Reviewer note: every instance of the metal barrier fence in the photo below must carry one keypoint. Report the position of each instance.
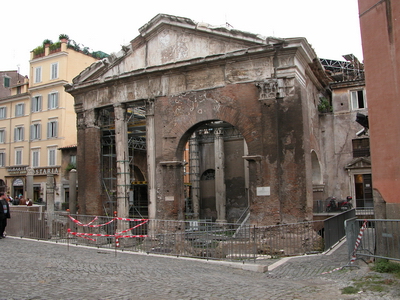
(199, 239)
(379, 239)
(334, 227)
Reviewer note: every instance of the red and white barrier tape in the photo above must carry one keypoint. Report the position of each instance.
(134, 227)
(104, 224)
(116, 235)
(358, 241)
(90, 223)
(81, 234)
(353, 256)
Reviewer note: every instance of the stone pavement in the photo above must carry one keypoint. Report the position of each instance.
(41, 270)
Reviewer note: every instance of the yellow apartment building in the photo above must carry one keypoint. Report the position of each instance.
(38, 120)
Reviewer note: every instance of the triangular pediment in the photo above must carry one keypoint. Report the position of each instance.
(359, 163)
(170, 45)
(169, 39)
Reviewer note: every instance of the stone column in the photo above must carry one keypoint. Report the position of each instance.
(246, 172)
(72, 191)
(151, 158)
(220, 189)
(173, 206)
(91, 196)
(50, 202)
(81, 161)
(194, 165)
(29, 184)
(122, 155)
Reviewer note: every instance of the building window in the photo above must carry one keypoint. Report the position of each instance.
(2, 159)
(52, 129)
(72, 160)
(52, 156)
(54, 71)
(36, 103)
(361, 147)
(7, 81)
(19, 110)
(3, 112)
(53, 100)
(2, 136)
(18, 157)
(35, 131)
(358, 100)
(38, 74)
(35, 158)
(18, 134)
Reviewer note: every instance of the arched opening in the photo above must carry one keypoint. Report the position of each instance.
(215, 174)
(18, 188)
(318, 186)
(316, 169)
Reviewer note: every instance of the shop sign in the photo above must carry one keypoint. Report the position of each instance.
(45, 171)
(16, 170)
(18, 182)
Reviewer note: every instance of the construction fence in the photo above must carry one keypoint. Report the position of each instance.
(195, 238)
(375, 238)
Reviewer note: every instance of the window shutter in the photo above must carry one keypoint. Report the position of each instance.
(22, 133)
(354, 102)
(3, 159)
(15, 134)
(54, 71)
(48, 129)
(56, 100)
(55, 129)
(48, 101)
(32, 132)
(39, 131)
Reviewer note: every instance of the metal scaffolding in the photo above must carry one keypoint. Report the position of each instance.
(136, 128)
(135, 118)
(351, 69)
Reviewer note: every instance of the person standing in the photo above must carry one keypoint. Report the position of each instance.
(4, 213)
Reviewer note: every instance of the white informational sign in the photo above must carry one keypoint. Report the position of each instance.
(264, 191)
(169, 198)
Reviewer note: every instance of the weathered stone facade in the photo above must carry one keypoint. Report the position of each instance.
(187, 75)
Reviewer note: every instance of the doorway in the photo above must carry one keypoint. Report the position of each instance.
(363, 191)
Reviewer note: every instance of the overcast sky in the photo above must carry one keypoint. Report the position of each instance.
(331, 27)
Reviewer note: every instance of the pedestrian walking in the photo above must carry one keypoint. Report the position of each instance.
(4, 213)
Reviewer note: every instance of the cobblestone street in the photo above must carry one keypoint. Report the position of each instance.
(42, 270)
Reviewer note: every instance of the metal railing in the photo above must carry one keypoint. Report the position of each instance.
(199, 239)
(380, 238)
(335, 228)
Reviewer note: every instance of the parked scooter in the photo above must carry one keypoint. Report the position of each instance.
(342, 205)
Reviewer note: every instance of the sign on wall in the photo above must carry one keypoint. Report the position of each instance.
(264, 191)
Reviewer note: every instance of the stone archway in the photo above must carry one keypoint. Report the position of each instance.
(215, 173)
(317, 182)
